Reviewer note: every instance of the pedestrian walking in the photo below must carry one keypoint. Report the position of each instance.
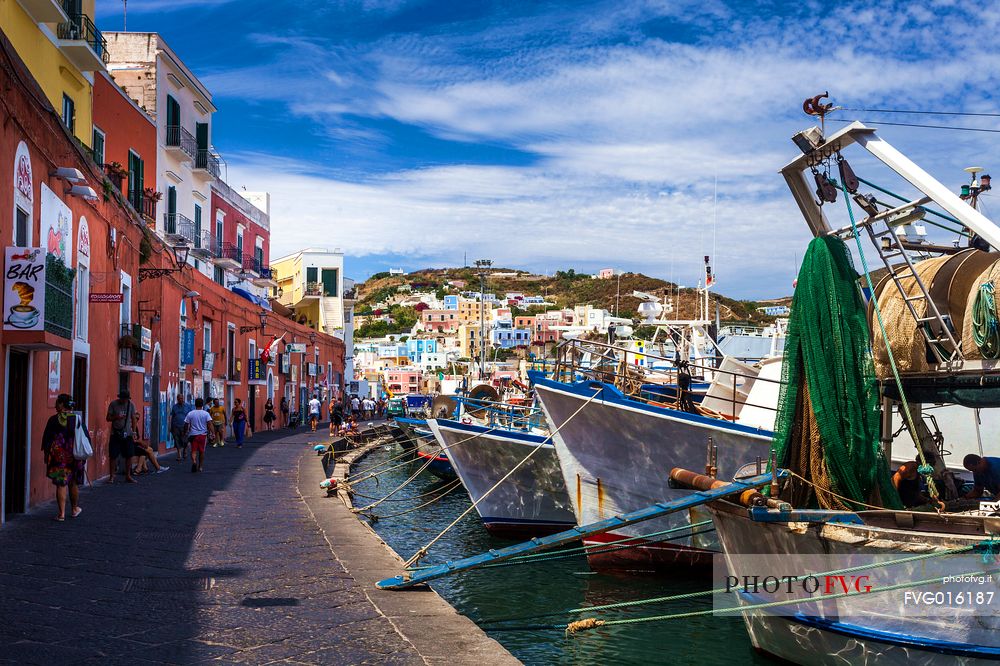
(61, 467)
(314, 407)
(177, 414)
(239, 423)
(124, 422)
(199, 427)
(336, 415)
(284, 411)
(356, 407)
(269, 413)
(218, 413)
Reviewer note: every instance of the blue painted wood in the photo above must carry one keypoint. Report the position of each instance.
(762, 514)
(657, 510)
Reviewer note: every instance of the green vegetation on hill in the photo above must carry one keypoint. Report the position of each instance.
(565, 288)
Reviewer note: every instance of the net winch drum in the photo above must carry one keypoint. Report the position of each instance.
(948, 281)
(444, 407)
(483, 393)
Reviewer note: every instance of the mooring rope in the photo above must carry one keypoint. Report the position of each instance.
(455, 485)
(423, 550)
(985, 328)
(722, 590)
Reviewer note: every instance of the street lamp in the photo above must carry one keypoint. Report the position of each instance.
(180, 253)
(263, 323)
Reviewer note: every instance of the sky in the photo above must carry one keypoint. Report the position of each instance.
(638, 135)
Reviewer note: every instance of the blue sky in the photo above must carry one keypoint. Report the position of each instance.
(546, 135)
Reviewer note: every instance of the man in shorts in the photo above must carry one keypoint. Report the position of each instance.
(124, 422)
(196, 426)
(177, 414)
(314, 407)
(218, 414)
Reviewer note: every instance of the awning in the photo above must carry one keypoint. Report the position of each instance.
(258, 300)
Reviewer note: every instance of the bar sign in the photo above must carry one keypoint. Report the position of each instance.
(105, 298)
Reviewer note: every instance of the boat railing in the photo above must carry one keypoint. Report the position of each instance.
(614, 368)
(503, 414)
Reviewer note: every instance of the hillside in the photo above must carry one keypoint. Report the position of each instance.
(565, 289)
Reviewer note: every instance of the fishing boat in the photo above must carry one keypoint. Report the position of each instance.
(613, 449)
(511, 473)
(836, 433)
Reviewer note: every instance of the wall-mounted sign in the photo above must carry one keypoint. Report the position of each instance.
(145, 338)
(24, 289)
(313, 369)
(208, 362)
(284, 363)
(83, 240)
(295, 348)
(57, 226)
(295, 373)
(256, 369)
(187, 346)
(105, 298)
(217, 389)
(55, 374)
(22, 178)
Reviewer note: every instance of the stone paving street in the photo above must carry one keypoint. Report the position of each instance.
(226, 566)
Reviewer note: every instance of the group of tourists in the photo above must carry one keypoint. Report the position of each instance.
(198, 425)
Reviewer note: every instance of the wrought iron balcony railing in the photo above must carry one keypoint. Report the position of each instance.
(179, 226)
(80, 27)
(178, 137)
(130, 351)
(206, 161)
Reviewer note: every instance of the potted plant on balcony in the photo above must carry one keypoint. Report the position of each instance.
(116, 173)
(152, 194)
(128, 341)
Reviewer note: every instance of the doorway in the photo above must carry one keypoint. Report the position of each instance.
(154, 434)
(16, 456)
(80, 385)
(252, 392)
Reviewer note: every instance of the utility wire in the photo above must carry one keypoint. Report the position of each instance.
(926, 113)
(946, 127)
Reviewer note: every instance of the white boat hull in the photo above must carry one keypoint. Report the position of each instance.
(530, 502)
(861, 629)
(616, 456)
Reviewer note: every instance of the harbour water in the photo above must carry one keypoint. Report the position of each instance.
(527, 590)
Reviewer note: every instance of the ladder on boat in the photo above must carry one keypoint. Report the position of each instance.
(658, 510)
(936, 328)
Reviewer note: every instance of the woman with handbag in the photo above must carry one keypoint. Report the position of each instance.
(61, 466)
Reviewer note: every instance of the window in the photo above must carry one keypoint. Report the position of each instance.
(136, 174)
(197, 225)
(126, 308)
(207, 336)
(21, 227)
(82, 300)
(220, 276)
(69, 113)
(312, 274)
(98, 146)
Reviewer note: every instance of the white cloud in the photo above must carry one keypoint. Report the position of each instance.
(614, 124)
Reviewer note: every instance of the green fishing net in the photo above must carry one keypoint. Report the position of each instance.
(827, 426)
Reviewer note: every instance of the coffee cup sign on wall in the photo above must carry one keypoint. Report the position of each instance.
(24, 289)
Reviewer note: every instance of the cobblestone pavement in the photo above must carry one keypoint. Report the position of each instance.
(226, 566)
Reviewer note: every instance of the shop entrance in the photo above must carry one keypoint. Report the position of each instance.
(16, 457)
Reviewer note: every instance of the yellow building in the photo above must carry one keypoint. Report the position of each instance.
(468, 340)
(469, 311)
(312, 283)
(61, 46)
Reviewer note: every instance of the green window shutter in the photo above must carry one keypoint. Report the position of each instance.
(201, 133)
(197, 225)
(173, 111)
(311, 274)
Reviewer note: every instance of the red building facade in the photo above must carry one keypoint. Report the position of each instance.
(110, 310)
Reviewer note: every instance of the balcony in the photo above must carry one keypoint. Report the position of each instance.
(130, 353)
(203, 245)
(227, 255)
(45, 11)
(265, 277)
(82, 43)
(114, 172)
(147, 206)
(313, 289)
(178, 229)
(206, 165)
(181, 143)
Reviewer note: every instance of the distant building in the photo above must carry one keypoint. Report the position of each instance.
(505, 336)
(451, 302)
(605, 274)
(775, 310)
(397, 271)
(440, 321)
